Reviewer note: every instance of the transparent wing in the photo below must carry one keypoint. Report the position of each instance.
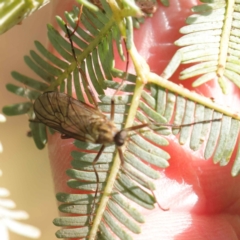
(67, 115)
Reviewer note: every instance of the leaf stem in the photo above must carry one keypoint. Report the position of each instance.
(207, 102)
(224, 45)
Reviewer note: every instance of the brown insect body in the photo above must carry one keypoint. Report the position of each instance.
(74, 119)
(147, 6)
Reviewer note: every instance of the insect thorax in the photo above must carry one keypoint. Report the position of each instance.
(104, 131)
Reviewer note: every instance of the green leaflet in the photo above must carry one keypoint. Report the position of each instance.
(214, 56)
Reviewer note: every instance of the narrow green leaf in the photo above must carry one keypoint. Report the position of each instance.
(206, 70)
(155, 138)
(85, 21)
(234, 77)
(213, 136)
(30, 82)
(179, 113)
(77, 85)
(92, 18)
(226, 123)
(75, 198)
(121, 217)
(208, 116)
(236, 166)
(38, 70)
(82, 209)
(118, 108)
(49, 68)
(149, 99)
(80, 157)
(188, 118)
(148, 157)
(106, 65)
(86, 176)
(97, 68)
(195, 140)
(152, 114)
(85, 166)
(132, 187)
(54, 38)
(150, 148)
(115, 227)
(73, 233)
(48, 55)
(139, 165)
(126, 205)
(17, 109)
(71, 221)
(171, 100)
(39, 134)
(23, 92)
(230, 142)
(138, 177)
(83, 80)
(204, 78)
(125, 191)
(85, 186)
(105, 233)
(92, 75)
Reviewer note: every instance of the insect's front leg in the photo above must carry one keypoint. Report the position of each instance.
(121, 155)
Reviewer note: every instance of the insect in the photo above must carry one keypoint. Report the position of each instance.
(147, 6)
(81, 121)
(76, 119)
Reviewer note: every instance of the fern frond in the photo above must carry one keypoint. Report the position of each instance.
(210, 45)
(146, 145)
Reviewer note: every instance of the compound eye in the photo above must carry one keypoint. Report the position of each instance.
(120, 137)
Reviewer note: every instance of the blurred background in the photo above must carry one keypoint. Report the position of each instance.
(26, 170)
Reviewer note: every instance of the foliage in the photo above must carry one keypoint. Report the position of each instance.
(145, 97)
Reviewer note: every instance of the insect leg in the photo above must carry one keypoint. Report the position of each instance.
(97, 178)
(78, 21)
(121, 155)
(163, 209)
(80, 70)
(120, 86)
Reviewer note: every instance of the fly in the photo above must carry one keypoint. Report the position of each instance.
(81, 121)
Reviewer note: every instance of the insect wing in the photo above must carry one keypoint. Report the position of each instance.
(67, 115)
